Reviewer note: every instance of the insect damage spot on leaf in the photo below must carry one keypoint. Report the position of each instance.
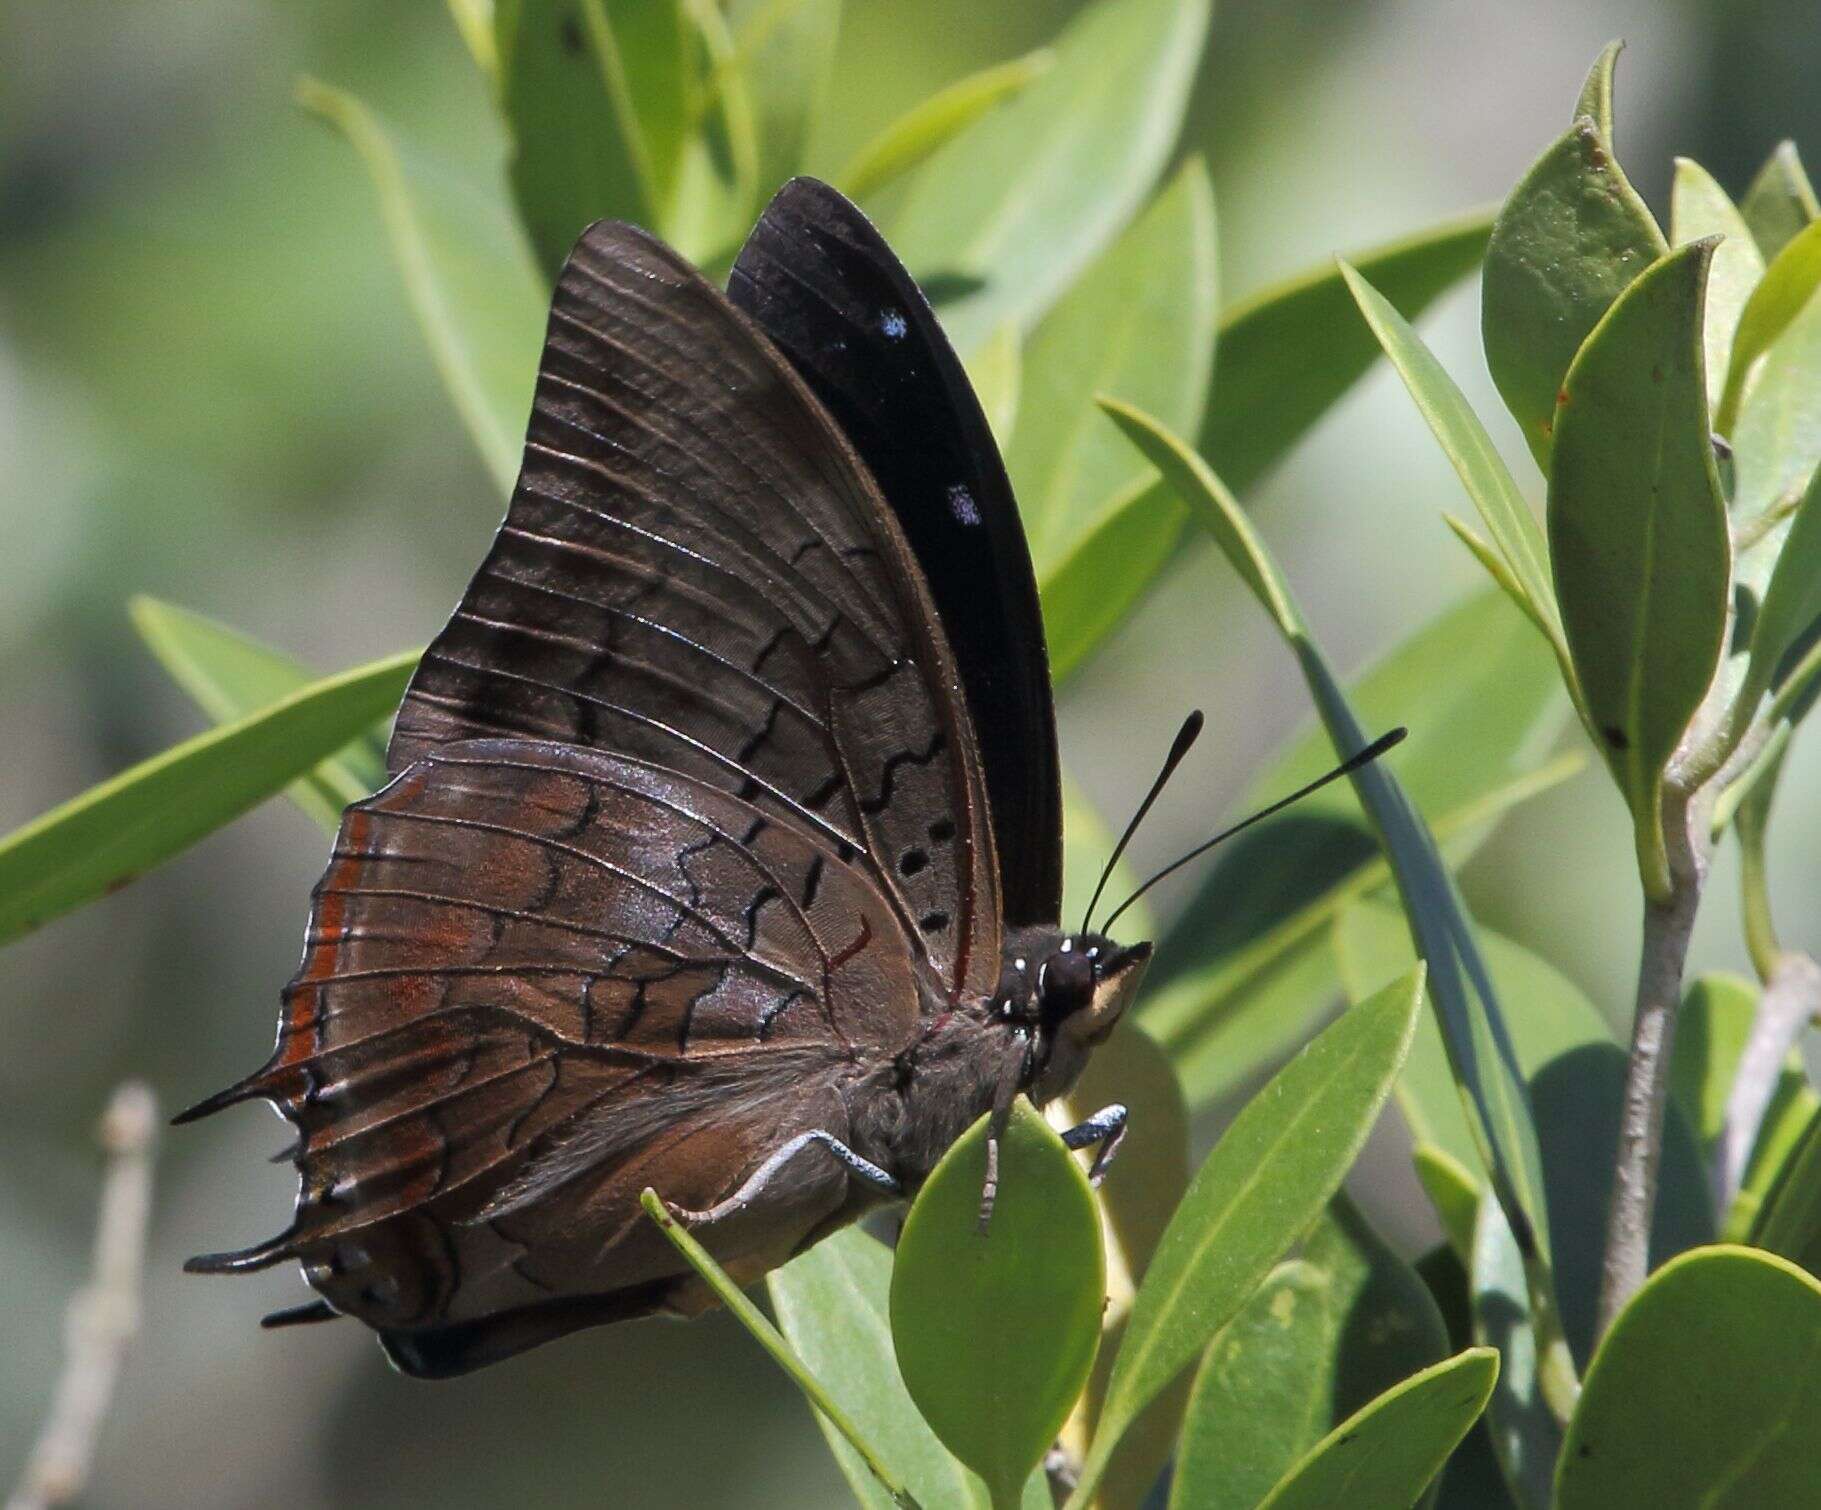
(1615, 736)
(573, 41)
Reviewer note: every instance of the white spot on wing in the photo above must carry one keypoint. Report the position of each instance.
(892, 323)
(961, 504)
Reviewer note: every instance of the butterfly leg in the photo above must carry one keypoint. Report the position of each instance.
(1107, 1128)
(757, 1184)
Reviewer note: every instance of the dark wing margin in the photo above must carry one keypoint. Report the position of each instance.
(696, 570)
(820, 281)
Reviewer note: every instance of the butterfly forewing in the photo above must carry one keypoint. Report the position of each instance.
(696, 570)
(824, 286)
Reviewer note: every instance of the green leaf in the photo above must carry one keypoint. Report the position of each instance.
(467, 279)
(1088, 591)
(474, 21)
(1780, 201)
(1227, 1014)
(1792, 602)
(1786, 1122)
(1570, 238)
(111, 834)
(769, 1338)
(1711, 1030)
(1596, 94)
(1324, 1335)
(1031, 193)
(996, 370)
(1477, 721)
(927, 127)
(1638, 534)
(1270, 1175)
(1710, 1033)
(1388, 1452)
(1699, 208)
(1487, 555)
(1479, 1044)
(229, 676)
(597, 96)
(1719, 1354)
(831, 1304)
(1526, 1435)
(1453, 1190)
(1514, 529)
(1153, 1170)
(1575, 1075)
(996, 1332)
(1138, 325)
(1777, 441)
(1787, 286)
(1789, 1221)
(1289, 352)
(785, 51)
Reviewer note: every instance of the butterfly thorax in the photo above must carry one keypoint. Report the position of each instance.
(1059, 996)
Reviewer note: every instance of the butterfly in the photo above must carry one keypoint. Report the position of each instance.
(722, 850)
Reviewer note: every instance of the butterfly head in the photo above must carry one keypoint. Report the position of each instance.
(1068, 991)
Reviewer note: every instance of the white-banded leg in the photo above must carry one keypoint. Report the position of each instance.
(759, 1182)
(1107, 1128)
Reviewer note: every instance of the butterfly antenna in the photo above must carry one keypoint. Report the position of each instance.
(1365, 757)
(1179, 747)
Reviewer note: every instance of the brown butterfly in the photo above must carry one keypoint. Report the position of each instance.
(722, 852)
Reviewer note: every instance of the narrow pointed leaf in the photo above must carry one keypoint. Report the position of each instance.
(1699, 208)
(1388, 1452)
(1568, 241)
(1479, 1043)
(1720, 1354)
(1514, 529)
(229, 676)
(925, 128)
(467, 279)
(1638, 533)
(113, 833)
(1787, 287)
(1777, 441)
(1574, 1072)
(769, 1338)
(1025, 198)
(1289, 352)
(996, 1333)
(1780, 201)
(832, 1305)
(1526, 1436)
(1324, 1335)
(1484, 552)
(1792, 603)
(1268, 1178)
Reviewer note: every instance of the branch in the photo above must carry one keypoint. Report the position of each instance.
(1668, 925)
(1792, 995)
(103, 1317)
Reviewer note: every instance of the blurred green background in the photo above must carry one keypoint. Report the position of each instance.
(211, 390)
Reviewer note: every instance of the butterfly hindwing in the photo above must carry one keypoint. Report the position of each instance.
(828, 291)
(535, 971)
